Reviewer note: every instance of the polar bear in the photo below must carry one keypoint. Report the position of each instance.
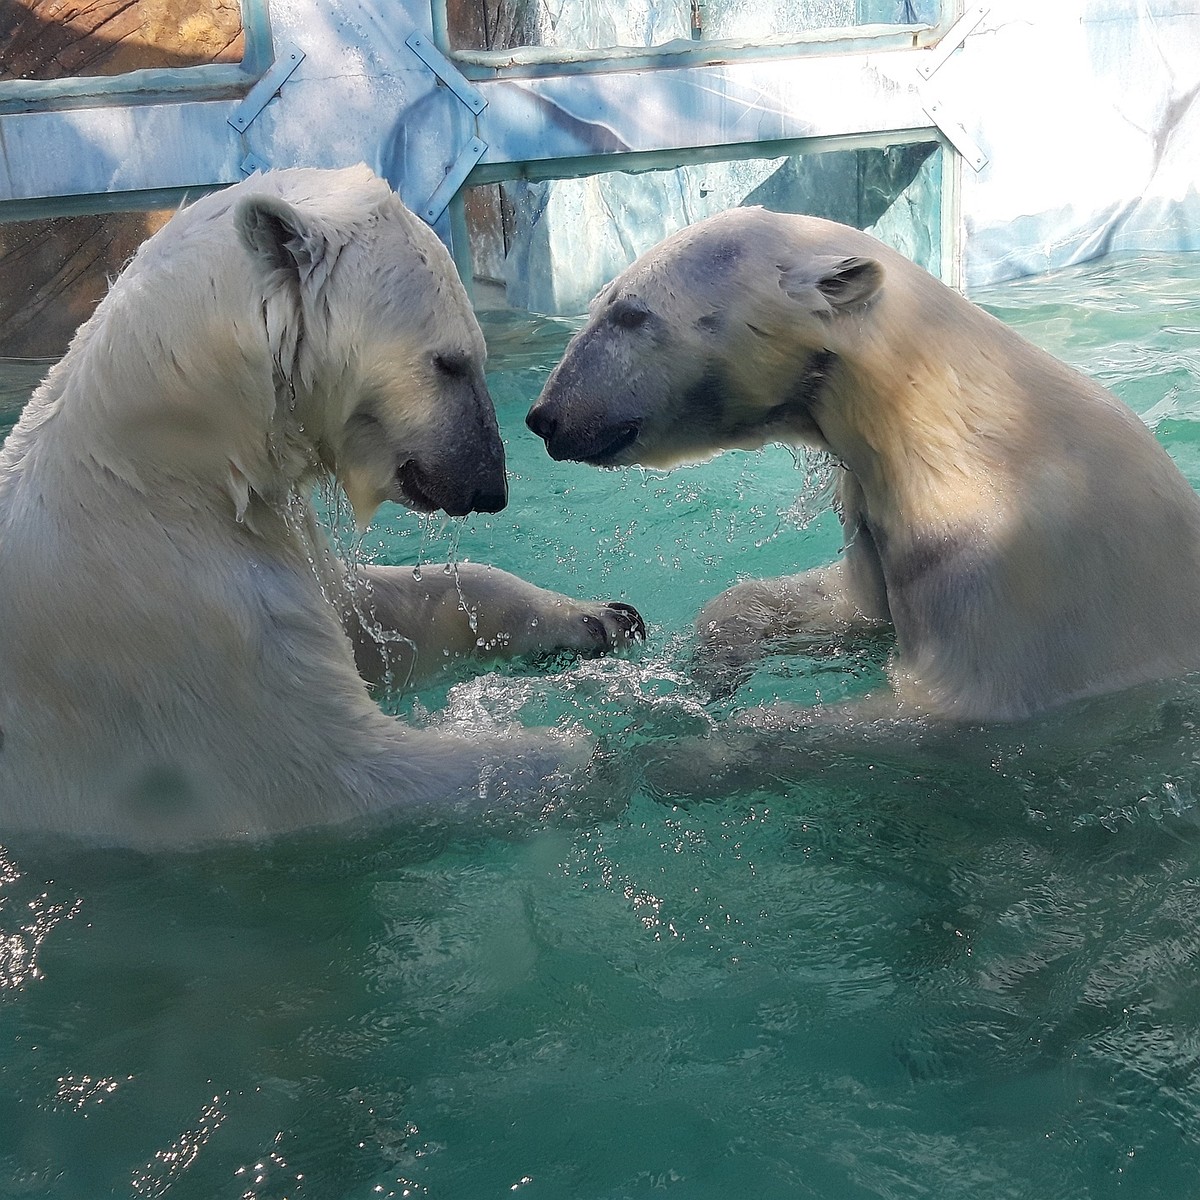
(178, 644)
(1016, 527)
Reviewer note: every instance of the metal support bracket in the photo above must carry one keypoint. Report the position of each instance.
(252, 163)
(956, 134)
(457, 175)
(446, 71)
(259, 96)
(448, 74)
(932, 60)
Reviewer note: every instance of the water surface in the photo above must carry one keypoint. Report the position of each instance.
(895, 977)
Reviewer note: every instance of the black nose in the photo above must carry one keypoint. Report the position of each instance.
(541, 422)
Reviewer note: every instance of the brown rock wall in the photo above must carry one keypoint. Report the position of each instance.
(55, 39)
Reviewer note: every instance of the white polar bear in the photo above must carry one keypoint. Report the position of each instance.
(177, 649)
(1018, 527)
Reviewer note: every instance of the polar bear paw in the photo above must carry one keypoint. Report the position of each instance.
(610, 626)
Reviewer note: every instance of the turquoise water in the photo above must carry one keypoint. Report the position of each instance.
(887, 979)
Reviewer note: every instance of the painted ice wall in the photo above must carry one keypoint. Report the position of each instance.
(566, 238)
(1088, 112)
(1085, 110)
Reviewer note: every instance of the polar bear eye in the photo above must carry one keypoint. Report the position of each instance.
(453, 366)
(627, 313)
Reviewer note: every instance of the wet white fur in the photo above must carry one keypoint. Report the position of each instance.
(1021, 529)
(173, 664)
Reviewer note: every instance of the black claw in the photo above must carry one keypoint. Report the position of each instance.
(630, 626)
(630, 619)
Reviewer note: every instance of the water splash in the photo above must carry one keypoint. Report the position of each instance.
(816, 488)
(337, 555)
(24, 927)
(348, 587)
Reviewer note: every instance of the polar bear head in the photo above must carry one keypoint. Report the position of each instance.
(301, 322)
(722, 336)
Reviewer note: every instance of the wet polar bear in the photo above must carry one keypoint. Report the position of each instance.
(178, 644)
(1020, 530)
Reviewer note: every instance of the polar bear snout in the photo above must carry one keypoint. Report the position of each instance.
(488, 494)
(486, 491)
(454, 463)
(490, 501)
(577, 416)
(599, 444)
(543, 423)
(464, 476)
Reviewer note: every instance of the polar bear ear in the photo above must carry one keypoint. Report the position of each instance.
(280, 236)
(829, 284)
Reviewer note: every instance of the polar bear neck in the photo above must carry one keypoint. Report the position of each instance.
(931, 438)
(180, 403)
